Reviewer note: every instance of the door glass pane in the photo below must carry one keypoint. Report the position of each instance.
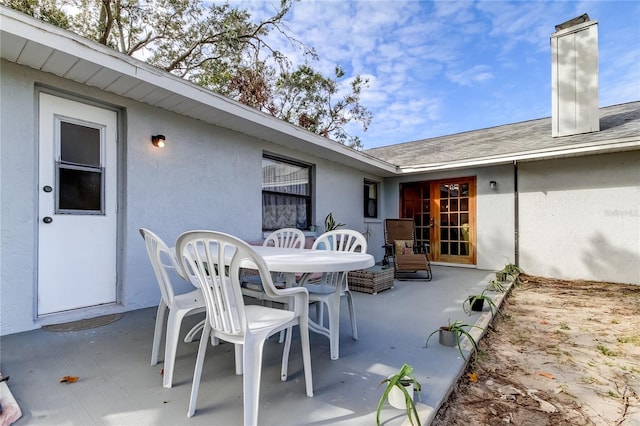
(79, 144)
(454, 205)
(444, 247)
(79, 190)
(464, 204)
(454, 249)
(444, 191)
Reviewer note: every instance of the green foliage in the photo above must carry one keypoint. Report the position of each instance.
(400, 380)
(330, 224)
(44, 10)
(469, 301)
(460, 329)
(495, 285)
(219, 47)
(509, 273)
(606, 351)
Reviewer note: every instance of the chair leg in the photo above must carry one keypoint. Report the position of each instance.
(157, 333)
(171, 346)
(239, 360)
(197, 373)
(320, 313)
(306, 354)
(252, 360)
(352, 314)
(334, 327)
(285, 354)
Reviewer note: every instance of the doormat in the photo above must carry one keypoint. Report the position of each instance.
(84, 324)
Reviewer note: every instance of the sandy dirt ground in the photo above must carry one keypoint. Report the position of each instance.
(560, 353)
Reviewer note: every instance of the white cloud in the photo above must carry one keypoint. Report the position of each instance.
(430, 63)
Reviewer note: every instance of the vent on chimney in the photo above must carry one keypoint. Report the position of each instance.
(574, 77)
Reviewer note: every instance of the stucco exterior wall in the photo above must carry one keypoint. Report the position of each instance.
(18, 154)
(205, 178)
(580, 218)
(494, 210)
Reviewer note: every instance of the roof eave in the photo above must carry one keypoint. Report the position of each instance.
(610, 146)
(36, 44)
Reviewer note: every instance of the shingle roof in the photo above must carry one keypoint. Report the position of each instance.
(619, 129)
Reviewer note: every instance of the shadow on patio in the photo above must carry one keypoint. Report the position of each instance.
(117, 386)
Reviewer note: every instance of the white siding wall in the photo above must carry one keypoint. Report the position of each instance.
(580, 218)
(205, 177)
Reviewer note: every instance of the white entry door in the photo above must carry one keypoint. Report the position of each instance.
(77, 205)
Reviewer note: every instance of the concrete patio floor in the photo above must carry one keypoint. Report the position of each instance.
(118, 386)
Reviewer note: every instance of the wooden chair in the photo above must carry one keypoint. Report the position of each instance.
(400, 244)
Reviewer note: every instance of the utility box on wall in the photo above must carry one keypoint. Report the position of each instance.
(574, 78)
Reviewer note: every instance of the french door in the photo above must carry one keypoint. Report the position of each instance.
(444, 214)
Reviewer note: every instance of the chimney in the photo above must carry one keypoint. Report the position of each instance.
(574, 77)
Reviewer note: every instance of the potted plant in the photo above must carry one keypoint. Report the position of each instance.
(510, 272)
(330, 224)
(476, 303)
(399, 392)
(450, 335)
(495, 285)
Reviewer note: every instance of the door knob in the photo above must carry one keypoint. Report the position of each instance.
(47, 219)
(47, 188)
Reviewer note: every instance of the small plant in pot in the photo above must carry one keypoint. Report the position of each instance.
(510, 272)
(399, 392)
(451, 335)
(476, 303)
(495, 285)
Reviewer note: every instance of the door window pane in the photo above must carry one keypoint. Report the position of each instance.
(79, 144)
(79, 190)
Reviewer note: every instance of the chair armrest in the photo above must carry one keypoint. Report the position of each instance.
(300, 296)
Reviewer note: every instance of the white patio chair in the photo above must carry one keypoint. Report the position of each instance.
(178, 305)
(285, 237)
(213, 261)
(332, 286)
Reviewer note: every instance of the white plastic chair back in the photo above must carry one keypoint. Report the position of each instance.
(178, 306)
(213, 264)
(341, 240)
(286, 237)
(213, 261)
(333, 285)
(162, 261)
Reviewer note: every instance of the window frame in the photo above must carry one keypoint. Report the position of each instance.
(308, 198)
(368, 184)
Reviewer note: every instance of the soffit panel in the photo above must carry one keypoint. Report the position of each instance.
(11, 46)
(82, 71)
(122, 85)
(59, 63)
(103, 78)
(34, 55)
(139, 91)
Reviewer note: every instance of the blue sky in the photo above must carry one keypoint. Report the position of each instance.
(444, 67)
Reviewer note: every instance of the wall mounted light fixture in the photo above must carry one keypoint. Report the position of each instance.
(493, 184)
(158, 140)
